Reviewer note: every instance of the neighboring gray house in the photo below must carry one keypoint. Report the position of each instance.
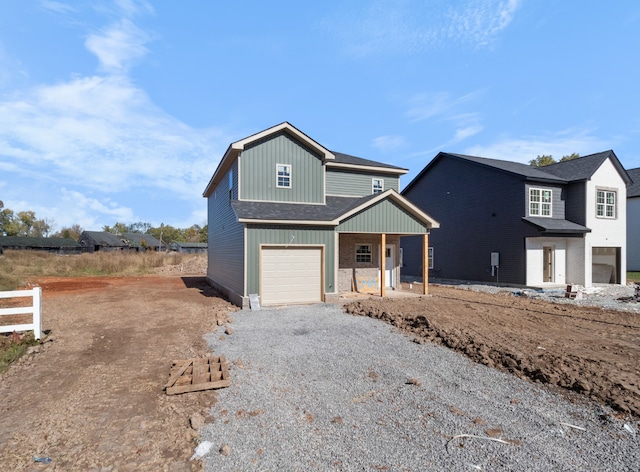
(513, 223)
(55, 245)
(633, 221)
(188, 247)
(92, 241)
(294, 222)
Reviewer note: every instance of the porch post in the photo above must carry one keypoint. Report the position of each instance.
(425, 264)
(383, 263)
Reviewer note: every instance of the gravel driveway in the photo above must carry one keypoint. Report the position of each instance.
(316, 389)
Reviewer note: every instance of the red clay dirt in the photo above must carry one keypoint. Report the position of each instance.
(91, 395)
(589, 350)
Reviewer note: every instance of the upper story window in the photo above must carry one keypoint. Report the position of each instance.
(283, 176)
(377, 186)
(230, 185)
(539, 202)
(606, 203)
(363, 253)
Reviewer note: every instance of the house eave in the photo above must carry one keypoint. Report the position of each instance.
(383, 170)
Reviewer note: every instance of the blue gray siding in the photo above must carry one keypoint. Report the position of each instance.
(358, 184)
(480, 211)
(258, 171)
(289, 235)
(226, 240)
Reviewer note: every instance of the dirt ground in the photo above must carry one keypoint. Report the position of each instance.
(90, 396)
(592, 351)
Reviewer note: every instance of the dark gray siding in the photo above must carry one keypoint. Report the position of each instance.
(576, 204)
(358, 184)
(480, 211)
(557, 202)
(226, 240)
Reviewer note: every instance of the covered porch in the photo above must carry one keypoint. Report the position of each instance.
(364, 267)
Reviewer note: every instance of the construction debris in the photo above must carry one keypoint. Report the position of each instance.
(203, 373)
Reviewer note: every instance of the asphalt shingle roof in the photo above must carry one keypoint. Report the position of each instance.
(555, 225)
(633, 190)
(581, 168)
(335, 207)
(24, 241)
(359, 161)
(525, 170)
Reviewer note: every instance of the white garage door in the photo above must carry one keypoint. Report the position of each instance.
(291, 275)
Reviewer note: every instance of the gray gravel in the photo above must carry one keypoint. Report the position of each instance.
(316, 389)
(607, 296)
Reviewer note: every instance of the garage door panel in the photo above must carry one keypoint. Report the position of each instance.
(291, 275)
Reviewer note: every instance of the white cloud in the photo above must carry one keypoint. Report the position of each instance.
(389, 143)
(57, 7)
(442, 107)
(529, 147)
(118, 46)
(413, 26)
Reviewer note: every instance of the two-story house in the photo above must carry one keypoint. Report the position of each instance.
(508, 222)
(633, 221)
(293, 222)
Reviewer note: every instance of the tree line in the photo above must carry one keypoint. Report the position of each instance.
(25, 223)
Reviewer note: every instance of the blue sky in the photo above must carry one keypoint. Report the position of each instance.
(119, 111)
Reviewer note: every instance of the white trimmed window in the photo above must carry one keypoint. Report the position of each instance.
(377, 186)
(430, 258)
(283, 176)
(363, 253)
(539, 202)
(606, 203)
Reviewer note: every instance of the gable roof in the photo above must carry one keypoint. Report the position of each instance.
(104, 238)
(633, 190)
(581, 168)
(516, 168)
(235, 148)
(332, 213)
(330, 158)
(27, 241)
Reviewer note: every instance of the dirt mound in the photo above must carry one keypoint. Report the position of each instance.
(591, 351)
(195, 265)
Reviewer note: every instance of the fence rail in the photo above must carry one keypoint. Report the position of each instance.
(35, 308)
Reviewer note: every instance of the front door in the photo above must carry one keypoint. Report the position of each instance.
(547, 264)
(390, 265)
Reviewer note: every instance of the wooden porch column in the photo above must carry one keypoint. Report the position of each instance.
(383, 263)
(425, 264)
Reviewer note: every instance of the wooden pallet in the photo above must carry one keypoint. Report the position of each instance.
(202, 373)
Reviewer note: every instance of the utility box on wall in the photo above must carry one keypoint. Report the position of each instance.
(495, 259)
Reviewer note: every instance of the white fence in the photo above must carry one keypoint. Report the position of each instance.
(35, 308)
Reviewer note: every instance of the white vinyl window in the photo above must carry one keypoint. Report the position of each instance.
(606, 203)
(430, 258)
(363, 253)
(377, 186)
(283, 176)
(539, 202)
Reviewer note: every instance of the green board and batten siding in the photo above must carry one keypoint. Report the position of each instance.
(258, 172)
(383, 217)
(357, 184)
(226, 249)
(289, 236)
